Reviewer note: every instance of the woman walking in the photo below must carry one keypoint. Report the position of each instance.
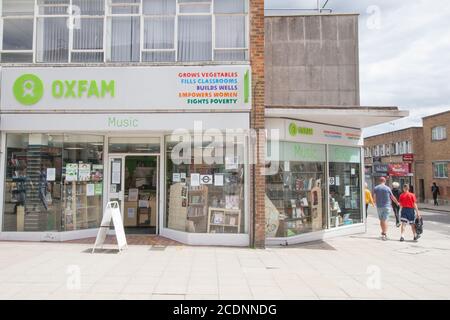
(368, 198)
(396, 192)
(409, 209)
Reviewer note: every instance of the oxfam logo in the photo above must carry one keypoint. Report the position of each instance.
(295, 130)
(28, 89)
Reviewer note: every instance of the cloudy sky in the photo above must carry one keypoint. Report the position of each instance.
(404, 54)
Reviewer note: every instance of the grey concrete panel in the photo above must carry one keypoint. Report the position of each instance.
(280, 78)
(347, 28)
(280, 98)
(330, 98)
(297, 98)
(347, 77)
(280, 53)
(347, 98)
(279, 29)
(330, 53)
(330, 78)
(312, 28)
(296, 54)
(313, 98)
(268, 54)
(268, 30)
(347, 52)
(297, 79)
(313, 78)
(296, 28)
(329, 27)
(313, 54)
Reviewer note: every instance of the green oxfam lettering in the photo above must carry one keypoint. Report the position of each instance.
(28, 89)
(295, 130)
(83, 89)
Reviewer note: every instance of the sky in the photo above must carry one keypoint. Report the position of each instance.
(404, 54)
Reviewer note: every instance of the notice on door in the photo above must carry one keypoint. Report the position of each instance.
(116, 172)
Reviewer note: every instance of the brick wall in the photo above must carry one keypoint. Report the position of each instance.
(257, 116)
(415, 136)
(436, 151)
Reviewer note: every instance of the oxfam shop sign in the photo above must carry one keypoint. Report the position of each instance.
(295, 130)
(29, 89)
(224, 88)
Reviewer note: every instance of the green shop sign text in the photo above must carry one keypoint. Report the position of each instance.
(114, 122)
(83, 89)
(295, 130)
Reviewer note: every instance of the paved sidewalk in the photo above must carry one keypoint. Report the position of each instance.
(428, 206)
(354, 267)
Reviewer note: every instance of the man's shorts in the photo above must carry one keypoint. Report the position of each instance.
(408, 216)
(383, 213)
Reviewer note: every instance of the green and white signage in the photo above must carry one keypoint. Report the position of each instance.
(226, 88)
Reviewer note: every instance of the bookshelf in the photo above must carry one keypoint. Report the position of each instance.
(221, 220)
(294, 194)
(80, 210)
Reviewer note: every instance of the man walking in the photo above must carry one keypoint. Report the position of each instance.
(383, 198)
(436, 193)
(410, 211)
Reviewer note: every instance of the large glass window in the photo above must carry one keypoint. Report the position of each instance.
(92, 31)
(345, 185)
(17, 28)
(205, 192)
(53, 182)
(295, 190)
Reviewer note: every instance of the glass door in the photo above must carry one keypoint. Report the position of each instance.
(116, 183)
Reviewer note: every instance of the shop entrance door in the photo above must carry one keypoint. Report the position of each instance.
(134, 184)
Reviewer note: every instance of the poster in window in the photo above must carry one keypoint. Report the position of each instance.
(84, 172)
(90, 189)
(195, 179)
(51, 174)
(71, 172)
(116, 172)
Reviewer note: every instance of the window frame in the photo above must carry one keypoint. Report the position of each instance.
(436, 170)
(439, 133)
(108, 15)
(17, 17)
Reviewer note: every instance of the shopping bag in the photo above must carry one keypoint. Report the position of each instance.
(419, 225)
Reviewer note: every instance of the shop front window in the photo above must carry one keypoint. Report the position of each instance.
(345, 185)
(53, 182)
(295, 191)
(205, 194)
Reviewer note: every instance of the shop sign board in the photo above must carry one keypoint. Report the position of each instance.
(302, 131)
(381, 168)
(409, 157)
(305, 152)
(376, 159)
(399, 170)
(126, 88)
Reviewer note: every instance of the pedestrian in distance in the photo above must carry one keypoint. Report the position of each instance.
(435, 191)
(396, 192)
(383, 199)
(368, 198)
(409, 212)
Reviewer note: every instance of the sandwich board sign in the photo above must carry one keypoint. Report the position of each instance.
(112, 211)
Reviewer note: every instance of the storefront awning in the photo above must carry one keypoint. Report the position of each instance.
(351, 117)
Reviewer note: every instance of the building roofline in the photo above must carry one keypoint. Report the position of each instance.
(436, 115)
(390, 132)
(301, 13)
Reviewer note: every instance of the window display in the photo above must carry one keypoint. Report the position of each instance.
(345, 186)
(295, 194)
(205, 198)
(53, 182)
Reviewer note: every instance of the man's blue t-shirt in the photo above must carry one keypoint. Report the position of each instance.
(383, 194)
